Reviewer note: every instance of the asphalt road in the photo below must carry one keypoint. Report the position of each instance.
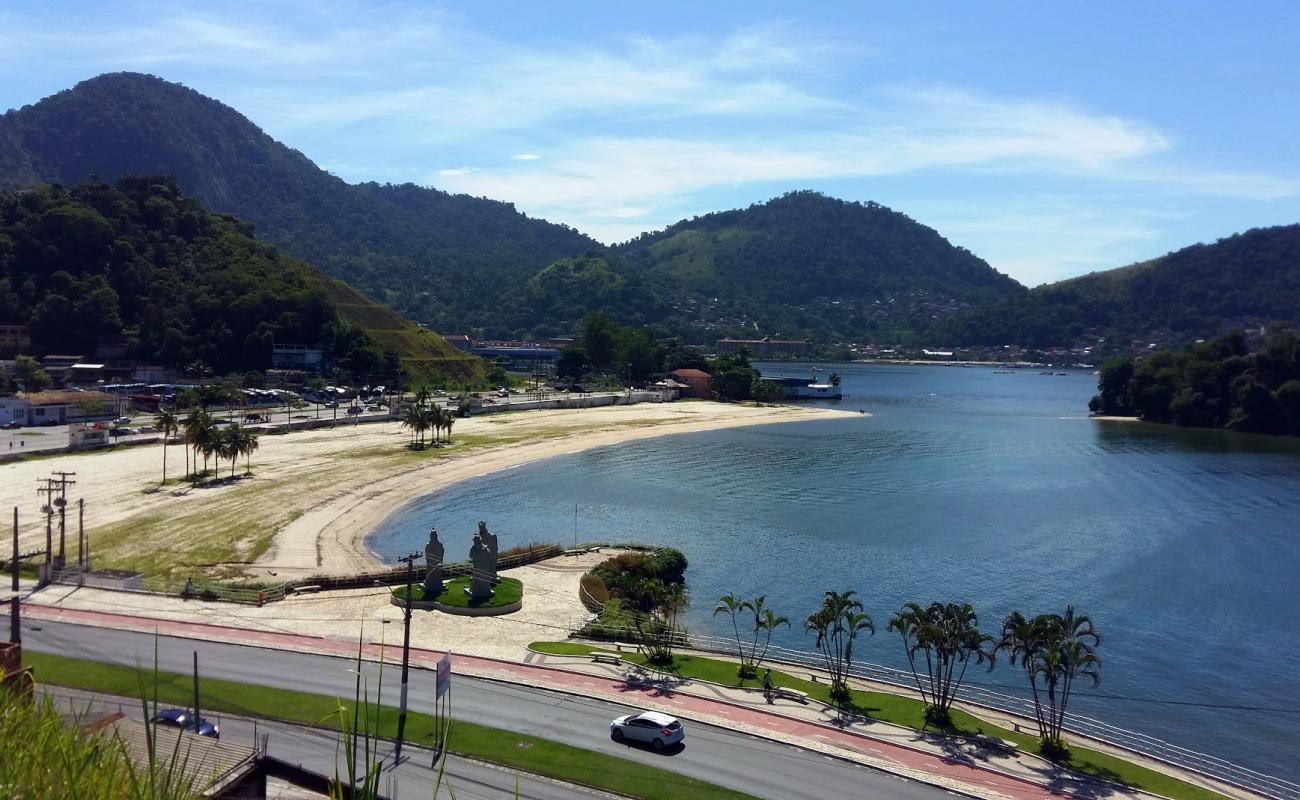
(317, 750)
(759, 766)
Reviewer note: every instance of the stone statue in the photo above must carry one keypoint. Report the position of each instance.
(480, 582)
(490, 539)
(433, 565)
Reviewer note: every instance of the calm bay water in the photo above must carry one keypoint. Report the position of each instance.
(972, 485)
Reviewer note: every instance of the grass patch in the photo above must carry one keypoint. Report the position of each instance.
(910, 712)
(508, 591)
(516, 751)
(209, 538)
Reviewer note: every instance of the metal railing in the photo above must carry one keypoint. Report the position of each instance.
(1152, 747)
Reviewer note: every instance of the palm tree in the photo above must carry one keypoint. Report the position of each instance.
(448, 419)
(199, 429)
(226, 445)
(837, 624)
(731, 605)
(765, 621)
(835, 379)
(949, 635)
(249, 447)
(417, 418)
(168, 423)
(1057, 649)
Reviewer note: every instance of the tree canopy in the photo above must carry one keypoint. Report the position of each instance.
(148, 271)
(1215, 384)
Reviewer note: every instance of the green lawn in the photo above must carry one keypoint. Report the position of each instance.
(508, 591)
(909, 712)
(515, 751)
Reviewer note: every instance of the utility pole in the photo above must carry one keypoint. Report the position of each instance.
(48, 509)
(61, 502)
(15, 624)
(409, 560)
(82, 561)
(13, 564)
(196, 692)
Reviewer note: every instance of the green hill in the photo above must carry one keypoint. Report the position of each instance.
(809, 265)
(143, 267)
(445, 260)
(1242, 282)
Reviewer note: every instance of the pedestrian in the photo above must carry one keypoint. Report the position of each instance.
(767, 685)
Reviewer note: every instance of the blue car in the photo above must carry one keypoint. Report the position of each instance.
(182, 718)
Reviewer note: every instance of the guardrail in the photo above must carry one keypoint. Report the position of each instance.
(394, 576)
(1152, 747)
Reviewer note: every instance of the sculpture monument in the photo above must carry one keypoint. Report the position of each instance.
(484, 565)
(490, 539)
(433, 565)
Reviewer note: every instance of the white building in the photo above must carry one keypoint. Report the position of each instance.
(14, 409)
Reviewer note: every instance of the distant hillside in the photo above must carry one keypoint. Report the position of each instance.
(806, 264)
(446, 260)
(145, 268)
(1242, 282)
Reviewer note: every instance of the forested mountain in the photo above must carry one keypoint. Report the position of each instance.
(806, 264)
(143, 268)
(443, 259)
(1242, 282)
(800, 265)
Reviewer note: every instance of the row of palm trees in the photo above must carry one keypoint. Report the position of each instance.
(941, 641)
(425, 416)
(203, 436)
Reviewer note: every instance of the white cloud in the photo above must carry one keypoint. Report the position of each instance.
(636, 129)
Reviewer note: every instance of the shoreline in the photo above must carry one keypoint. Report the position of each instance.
(341, 528)
(315, 495)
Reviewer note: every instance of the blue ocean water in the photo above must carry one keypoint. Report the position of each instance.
(967, 484)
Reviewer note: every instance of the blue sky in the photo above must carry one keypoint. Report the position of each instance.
(1051, 139)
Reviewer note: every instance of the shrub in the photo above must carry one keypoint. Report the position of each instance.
(594, 593)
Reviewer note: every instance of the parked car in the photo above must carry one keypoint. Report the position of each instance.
(355, 409)
(147, 429)
(650, 727)
(12, 425)
(120, 431)
(182, 718)
(122, 421)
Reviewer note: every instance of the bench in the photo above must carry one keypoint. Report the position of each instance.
(633, 647)
(790, 694)
(607, 658)
(994, 743)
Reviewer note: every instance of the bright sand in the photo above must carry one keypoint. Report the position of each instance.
(316, 494)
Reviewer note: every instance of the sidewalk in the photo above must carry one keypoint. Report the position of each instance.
(943, 762)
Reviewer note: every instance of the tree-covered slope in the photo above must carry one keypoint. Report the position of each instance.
(807, 264)
(143, 267)
(1241, 282)
(443, 259)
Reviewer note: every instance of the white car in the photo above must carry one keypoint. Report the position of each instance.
(651, 727)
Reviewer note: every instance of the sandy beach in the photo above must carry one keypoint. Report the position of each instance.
(314, 495)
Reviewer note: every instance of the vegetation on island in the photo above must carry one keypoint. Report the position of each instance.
(1215, 384)
(145, 272)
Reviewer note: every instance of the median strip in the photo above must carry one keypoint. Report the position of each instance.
(517, 751)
